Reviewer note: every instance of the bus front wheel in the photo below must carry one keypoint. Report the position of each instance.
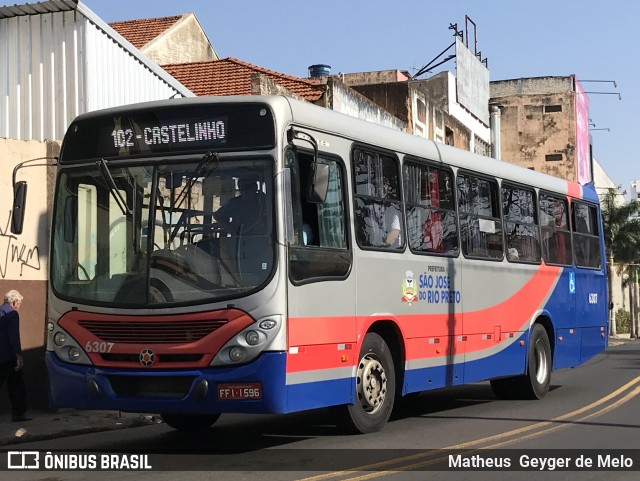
(189, 422)
(375, 388)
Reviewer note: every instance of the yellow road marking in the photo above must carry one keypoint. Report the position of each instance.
(489, 439)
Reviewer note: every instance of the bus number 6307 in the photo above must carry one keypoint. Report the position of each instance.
(101, 347)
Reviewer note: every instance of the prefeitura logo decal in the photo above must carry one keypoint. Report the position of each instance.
(409, 292)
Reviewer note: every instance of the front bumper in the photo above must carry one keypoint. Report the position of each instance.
(157, 391)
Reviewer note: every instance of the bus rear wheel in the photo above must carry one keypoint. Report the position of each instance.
(536, 382)
(189, 422)
(375, 388)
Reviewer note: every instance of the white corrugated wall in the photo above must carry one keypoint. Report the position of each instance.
(58, 65)
(117, 77)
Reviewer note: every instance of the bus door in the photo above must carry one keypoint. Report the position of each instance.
(321, 294)
(590, 280)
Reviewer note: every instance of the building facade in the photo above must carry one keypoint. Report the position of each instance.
(544, 125)
(168, 40)
(58, 60)
(62, 60)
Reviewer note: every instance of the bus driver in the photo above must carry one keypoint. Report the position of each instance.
(244, 214)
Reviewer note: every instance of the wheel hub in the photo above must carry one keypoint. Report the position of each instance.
(372, 383)
(542, 369)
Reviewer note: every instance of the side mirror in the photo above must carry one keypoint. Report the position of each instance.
(319, 180)
(318, 184)
(20, 192)
(19, 204)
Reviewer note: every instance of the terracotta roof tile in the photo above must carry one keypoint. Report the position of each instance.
(142, 31)
(230, 76)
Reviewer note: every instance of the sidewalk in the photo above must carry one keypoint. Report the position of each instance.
(619, 339)
(67, 422)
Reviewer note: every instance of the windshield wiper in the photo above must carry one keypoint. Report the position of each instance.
(203, 170)
(113, 188)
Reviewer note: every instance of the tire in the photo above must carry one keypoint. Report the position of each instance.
(536, 382)
(189, 422)
(374, 391)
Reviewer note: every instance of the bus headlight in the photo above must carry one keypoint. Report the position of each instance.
(74, 354)
(59, 338)
(248, 343)
(236, 354)
(252, 338)
(65, 346)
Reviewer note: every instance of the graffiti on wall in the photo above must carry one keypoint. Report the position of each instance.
(13, 252)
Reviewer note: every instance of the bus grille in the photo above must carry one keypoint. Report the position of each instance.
(160, 358)
(152, 332)
(156, 386)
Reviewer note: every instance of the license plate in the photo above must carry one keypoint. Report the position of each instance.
(252, 390)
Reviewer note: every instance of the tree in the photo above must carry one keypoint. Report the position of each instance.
(621, 237)
(628, 258)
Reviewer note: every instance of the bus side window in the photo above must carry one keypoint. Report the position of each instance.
(379, 210)
(585, 234)
(479, 213)
(431, 220)
(556, 237)
(521, 224)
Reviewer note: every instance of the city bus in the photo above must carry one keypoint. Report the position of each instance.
(265, 255)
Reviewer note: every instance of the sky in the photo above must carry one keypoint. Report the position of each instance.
(592, 39)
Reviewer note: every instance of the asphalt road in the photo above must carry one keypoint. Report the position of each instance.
(589, 416)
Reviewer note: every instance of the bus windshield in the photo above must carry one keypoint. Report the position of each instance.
(193, 231)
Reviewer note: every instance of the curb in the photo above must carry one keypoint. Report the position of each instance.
(618, 340)
(47, 426)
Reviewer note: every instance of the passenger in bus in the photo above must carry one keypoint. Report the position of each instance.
(556, 246)
(392, 225)
(246, 213)
(556, 243)
(432, 233)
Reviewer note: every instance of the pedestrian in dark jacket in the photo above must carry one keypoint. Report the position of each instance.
(11, 361)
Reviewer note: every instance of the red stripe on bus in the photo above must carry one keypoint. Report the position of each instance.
(574, 190)
(426, 335)
(325, 356)
(513, 313)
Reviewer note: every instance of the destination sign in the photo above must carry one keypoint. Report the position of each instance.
(195, 128)
(207, 131)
